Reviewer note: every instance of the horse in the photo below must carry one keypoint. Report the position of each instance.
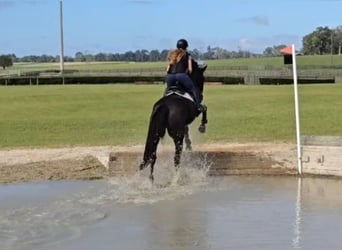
(173, 113)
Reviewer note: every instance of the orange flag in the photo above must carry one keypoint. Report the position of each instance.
(287, 50)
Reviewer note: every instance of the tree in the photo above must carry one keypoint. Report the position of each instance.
(128, 56)
(210, 54)
(46, 58)
(337, 40)
(196, 54)
(219, 53)
(273, 51)
(142, 55)
(318, 42)
(79, 57)
(100, 57)
(5, 61)
(163, 55)
(154, 55)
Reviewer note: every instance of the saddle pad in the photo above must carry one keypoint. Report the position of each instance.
(183, 94)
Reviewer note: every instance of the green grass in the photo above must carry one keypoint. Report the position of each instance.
(73, 115)
(266, 113)
(56, 116)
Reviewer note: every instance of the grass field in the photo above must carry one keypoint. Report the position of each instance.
(58, 116)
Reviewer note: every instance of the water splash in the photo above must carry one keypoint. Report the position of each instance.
(63, 219)
(169, 183)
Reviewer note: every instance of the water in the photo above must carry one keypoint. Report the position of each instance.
(187, 211)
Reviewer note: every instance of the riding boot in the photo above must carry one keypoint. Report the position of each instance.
(200, 108)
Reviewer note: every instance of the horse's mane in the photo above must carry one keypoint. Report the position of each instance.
(198, 64)
(194, 64)
(196, 71)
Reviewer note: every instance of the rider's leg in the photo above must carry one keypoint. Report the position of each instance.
(171, 81)
(188, 85)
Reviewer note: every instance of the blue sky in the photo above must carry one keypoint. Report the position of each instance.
(31, 27)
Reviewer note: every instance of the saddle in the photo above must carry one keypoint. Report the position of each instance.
(178, 91)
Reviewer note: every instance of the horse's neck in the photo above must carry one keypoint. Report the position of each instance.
(197, 85)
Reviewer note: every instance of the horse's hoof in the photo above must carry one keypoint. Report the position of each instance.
(188, 145)
(142, 166)
(201, 128)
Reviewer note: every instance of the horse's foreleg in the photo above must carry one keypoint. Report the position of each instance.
(204, 120)
(187, 139)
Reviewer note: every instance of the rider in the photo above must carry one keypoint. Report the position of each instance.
(178, 70)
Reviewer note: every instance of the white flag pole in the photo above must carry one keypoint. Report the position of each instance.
(295, 87)
(61, 59)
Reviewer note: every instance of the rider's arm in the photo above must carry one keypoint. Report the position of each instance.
(189, 65)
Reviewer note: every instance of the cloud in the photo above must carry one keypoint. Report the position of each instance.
(259, 20)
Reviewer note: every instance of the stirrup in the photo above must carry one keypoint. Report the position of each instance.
(201, 108)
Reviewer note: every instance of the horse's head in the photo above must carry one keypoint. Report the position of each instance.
(197, 75)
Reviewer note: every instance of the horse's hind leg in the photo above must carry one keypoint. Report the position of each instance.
(187, 139)
(150, 162)
(150, 158)
(178, 140)
(204, 120)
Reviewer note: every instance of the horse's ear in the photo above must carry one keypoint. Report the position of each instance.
(204, 68)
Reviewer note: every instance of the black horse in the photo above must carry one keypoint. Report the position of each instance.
(174, 113)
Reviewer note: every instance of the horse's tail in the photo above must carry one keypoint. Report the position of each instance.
(156, 130)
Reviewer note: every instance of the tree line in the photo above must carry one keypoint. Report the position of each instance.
(135, 56)
(322, 40)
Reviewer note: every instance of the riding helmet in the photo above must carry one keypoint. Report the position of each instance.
(182, 44)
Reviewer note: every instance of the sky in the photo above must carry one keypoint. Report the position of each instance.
(31, 27)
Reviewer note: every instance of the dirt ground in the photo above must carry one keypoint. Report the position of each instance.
(41, 164)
